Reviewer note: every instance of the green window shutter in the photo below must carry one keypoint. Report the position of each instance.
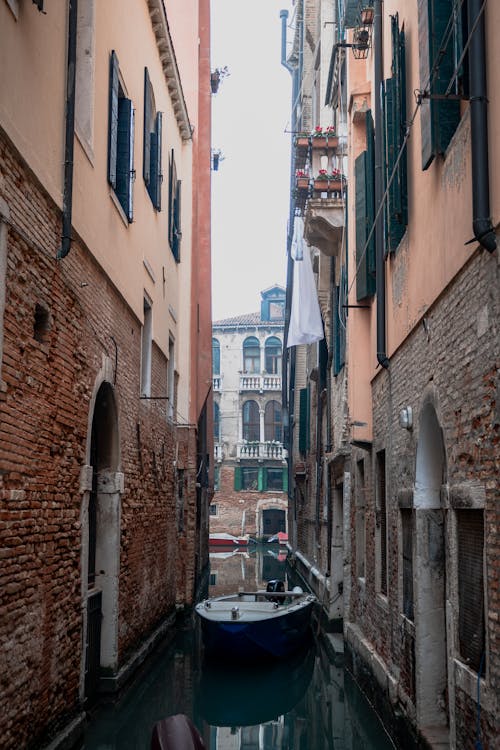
(370, 200)
(125, 155)
(177, 222)
(262, 479)
(148, 113)
(363, 181)
(339, 322)
(237, 478)
(155, 156)
(438, 118)
(113, 118)
(285, 479)
(304, 420)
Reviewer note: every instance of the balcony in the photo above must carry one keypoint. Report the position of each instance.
(260, 383)
(271, 450)
(218, 452)
(217, 383)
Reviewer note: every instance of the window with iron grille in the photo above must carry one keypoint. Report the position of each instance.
(382, 522)
(213, 509)
(360, 519)
(274, 479)
(407, 557)
(471, 622)
(249, 478)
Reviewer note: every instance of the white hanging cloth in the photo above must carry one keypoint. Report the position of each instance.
(305, 325)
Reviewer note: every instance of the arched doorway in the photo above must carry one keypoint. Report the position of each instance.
(431, 682)
(102, 541)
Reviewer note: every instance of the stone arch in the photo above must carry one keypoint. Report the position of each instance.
(273, 505)
(430, 571)
(101, 487)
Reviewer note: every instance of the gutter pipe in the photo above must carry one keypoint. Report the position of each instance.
(481, 221)
(379, 188)
(70, 133)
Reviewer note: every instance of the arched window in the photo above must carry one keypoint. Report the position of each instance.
(215, 357)
(272, 421)
(251, 421)
(216, 423)
(273, 356)
(251, 355)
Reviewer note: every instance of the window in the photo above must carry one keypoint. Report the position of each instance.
(439, 53)
(120, 140)
(216, 422)
(251, 421)
(180, 499)
(216, 478)
(272, 355)
(394, 104)
(215, 357)
(174, 209)
(171, 380)
(339, 322)
(407, 556)
(304, 420)
(471, 621)
(272, 421)
(364, 177)
(146, 347)
(360, 519)
(275, 479)
(213, 509)
(251, 355)
(151, 167)
(381, 524)
(41, 324)
(213, 579)
(249, 478)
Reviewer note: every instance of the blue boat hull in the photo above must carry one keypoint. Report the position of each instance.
(276, 637)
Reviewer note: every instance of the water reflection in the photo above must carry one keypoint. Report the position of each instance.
(305, 703)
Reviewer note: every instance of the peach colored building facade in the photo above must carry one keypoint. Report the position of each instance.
(105, 346)
(395, 446)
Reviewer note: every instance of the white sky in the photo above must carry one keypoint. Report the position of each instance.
(250, 191)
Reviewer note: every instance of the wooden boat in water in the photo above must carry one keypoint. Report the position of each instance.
(228, 540)
(176, 733)
(260, 624)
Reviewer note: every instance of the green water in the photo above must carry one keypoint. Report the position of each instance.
(307, 703)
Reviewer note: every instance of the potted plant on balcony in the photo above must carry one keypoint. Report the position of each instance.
(329, 182)
(301, 180)
(324, 137)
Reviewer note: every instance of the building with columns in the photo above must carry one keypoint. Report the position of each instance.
(250, 466)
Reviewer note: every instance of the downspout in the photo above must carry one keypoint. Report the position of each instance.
(481, 220)
(70, 132)
(382, 358)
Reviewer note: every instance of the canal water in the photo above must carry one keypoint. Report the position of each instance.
(307, 703)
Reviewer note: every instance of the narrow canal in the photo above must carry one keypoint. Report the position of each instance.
(307, 703)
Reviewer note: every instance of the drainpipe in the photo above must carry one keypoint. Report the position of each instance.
(70, 132)
(379, 186)
(481, 223)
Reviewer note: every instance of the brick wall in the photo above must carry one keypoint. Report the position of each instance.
(45, 398)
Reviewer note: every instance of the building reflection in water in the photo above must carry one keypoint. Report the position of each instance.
(249, 568)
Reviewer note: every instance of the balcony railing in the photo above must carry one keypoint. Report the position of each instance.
(260, 383)
(270, 450)
(218, 451)
(217, 382)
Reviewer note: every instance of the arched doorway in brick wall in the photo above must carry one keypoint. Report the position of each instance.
(429, 573)
(271, 517)
(102, 487)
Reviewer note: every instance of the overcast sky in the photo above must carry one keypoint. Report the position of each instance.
(250, 191)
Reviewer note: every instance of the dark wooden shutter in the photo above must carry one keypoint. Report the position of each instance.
(262, 482)
(157, 162)
(124, 155)
(370, 200)
(113, 118)
(471, 623)
(148, 110)
(407, 555)
(177, 222)
(382, 520)
(438, 118)
(285, 479)
(365, 213)
(303, 420)
(237, 478)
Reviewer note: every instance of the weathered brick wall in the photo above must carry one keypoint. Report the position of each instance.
(44, 411)
(458, 353)
(233, 504)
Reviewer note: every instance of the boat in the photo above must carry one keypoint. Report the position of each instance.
(176, 733)
(228, 540)
(254, 625)
(279, 538)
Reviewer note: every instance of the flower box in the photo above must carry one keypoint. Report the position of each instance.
(302, 183)
(323, 185)
(302, 141)
(325, 141)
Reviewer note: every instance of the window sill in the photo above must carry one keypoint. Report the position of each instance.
(466, 680)
(382, 601)
(118, 206)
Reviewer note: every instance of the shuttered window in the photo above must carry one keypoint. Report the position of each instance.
(339, 322)
(174, 209)
(304, 420)
(394, 115)
(471, 623)
(120, 140)
(237, 478)
(382, 521)
(251, 478)
(439, 118)
(407, 560)
(365, 213)
(152, 141)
